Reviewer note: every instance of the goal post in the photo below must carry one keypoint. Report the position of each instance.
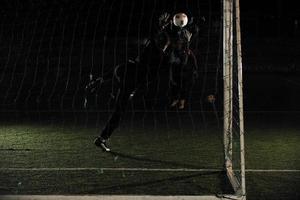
(233, 94)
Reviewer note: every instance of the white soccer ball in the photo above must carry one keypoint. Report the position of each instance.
(180, 20)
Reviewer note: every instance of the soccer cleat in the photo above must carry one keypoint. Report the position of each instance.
(100, 142)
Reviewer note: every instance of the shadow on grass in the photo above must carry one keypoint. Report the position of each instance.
(178, 182)
(151, 160)
(224, 185)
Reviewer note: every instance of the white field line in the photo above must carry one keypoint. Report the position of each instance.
(112, 169)
(272, 170)
(104, 197)
(113, 197)
(140, 169)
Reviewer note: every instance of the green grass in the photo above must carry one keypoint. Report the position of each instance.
(27, 145)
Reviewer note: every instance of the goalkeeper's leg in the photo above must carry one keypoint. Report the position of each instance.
(127, 87)
(114, 121)
(112, 124)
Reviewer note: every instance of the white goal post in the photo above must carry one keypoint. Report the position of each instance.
(231, 48)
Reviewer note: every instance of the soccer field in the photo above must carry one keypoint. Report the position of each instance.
(60, 158)
(209, 88)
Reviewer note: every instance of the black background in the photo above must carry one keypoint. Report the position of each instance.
(49, 48)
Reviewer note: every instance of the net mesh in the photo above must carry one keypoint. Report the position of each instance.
(52, 51)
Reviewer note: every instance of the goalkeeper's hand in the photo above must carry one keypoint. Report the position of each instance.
(164, 17)
(90, 89)
(93, 85)
(164, 20)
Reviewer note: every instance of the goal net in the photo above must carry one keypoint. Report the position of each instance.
(159, 78)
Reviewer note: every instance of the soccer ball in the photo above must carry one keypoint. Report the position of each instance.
(180, 20)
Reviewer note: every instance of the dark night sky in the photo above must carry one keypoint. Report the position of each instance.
(274, 17)
(50, 47)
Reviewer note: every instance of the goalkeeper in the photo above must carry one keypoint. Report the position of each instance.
(170, 48)
(130, 77)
